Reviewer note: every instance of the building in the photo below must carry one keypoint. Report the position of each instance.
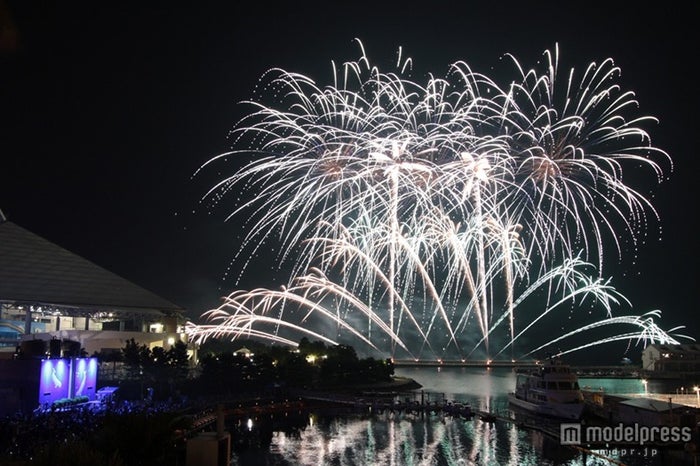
(664, 360)
(652, 412)
(52, 296)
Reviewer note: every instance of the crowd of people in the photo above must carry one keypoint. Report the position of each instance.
(23, 435)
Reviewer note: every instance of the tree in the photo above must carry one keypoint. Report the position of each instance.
(179, 360)
(136, 358)
(109, 356)
(340, 366)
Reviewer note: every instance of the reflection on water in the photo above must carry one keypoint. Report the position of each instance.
(405, 438)
(485, 389)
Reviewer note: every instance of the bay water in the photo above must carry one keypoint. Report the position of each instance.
(395, 437)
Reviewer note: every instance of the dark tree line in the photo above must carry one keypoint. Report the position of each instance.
(312, 365)
(225, 369)
(160, 370)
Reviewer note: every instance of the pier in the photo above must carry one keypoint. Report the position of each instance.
(684, 399)
(310, 401)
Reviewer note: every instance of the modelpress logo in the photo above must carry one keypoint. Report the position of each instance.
(570, 434)
(621, 434)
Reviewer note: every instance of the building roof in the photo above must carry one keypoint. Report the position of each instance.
(36, 271)
(651, 404)
(677, 348)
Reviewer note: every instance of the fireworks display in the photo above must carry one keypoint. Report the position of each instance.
(446, 219)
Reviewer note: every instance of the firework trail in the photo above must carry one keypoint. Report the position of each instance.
(418, 218)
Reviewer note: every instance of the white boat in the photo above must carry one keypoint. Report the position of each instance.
(551, 389)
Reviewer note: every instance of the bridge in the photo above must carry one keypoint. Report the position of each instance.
(601, 371)
(483, 363)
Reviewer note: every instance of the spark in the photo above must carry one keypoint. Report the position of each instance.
(438, 216)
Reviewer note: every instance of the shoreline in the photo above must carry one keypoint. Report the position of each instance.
(397, 384)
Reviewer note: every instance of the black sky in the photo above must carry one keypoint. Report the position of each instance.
(108, 109)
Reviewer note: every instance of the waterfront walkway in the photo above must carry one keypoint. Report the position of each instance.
(677, 398)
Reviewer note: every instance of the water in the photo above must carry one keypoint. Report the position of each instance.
(394, 438)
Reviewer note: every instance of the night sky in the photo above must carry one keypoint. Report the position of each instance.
(108, 109)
